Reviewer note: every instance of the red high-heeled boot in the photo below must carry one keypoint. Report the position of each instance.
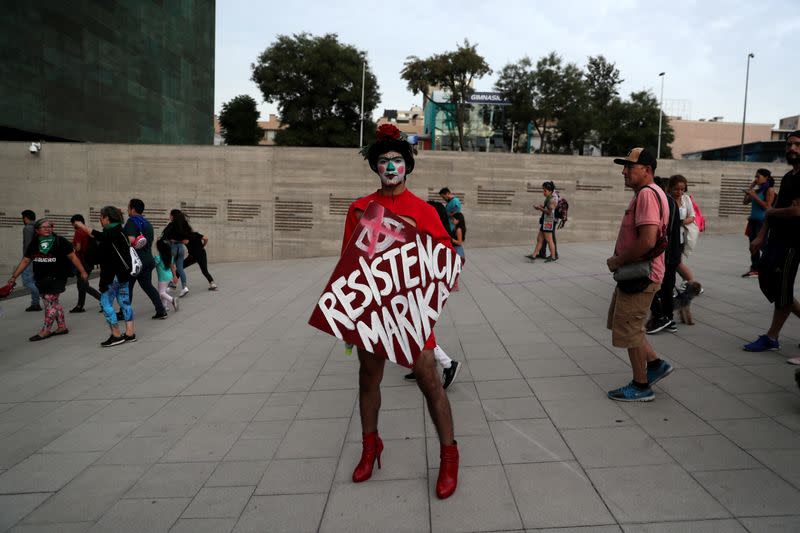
(448, 471)
(371, 451)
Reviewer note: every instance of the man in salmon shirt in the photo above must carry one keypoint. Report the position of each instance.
(391, 158)
(644, 223)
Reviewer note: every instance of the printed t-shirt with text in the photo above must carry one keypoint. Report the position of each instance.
(645, 205)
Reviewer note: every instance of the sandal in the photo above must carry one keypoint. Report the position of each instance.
(38, 337)
(60, 332)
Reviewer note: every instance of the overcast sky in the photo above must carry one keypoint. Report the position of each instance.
(701, 45)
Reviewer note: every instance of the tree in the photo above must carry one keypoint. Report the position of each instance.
(602, 81)
(452, 71)
(551, 96)
(239, 121)
(516, 83)
(316, 82)
(635, 123)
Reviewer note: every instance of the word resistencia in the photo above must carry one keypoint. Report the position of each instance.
(406, 287)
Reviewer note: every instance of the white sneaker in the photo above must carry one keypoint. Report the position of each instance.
(212, 286)
(184, 292)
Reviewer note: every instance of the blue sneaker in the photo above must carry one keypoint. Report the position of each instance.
(762, 344)
(631, 393)
(654, 375)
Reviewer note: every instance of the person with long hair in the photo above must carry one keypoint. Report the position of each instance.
(760, 195)
(677, 188)
(178, 232)
(459, 233)
(547, 223)
(196, 246)
(166, 271)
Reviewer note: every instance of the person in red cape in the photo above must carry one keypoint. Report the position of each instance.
(392, 159)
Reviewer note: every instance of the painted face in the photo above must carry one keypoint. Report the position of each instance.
(391, 168)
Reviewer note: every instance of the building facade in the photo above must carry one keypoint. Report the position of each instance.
(692, 136)
(117, 71)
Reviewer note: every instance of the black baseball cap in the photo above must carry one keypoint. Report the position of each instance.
(638, 156)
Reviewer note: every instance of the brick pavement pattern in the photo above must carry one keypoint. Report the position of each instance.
(234, 415)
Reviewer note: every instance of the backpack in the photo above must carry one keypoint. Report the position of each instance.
(140, 241)
(699, 219)
(561, 212)
(135, 263)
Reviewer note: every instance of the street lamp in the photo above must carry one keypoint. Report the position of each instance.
(361, 109)
(660, 115)
(744, 113)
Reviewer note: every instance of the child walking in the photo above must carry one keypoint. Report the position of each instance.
(165, 268)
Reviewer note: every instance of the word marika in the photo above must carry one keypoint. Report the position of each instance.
(394, 297)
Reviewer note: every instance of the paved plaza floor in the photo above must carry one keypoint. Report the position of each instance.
(235, 415)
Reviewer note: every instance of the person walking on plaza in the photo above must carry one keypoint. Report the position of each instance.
(165, 269)
(140, 234)
(639, 247)
(547, 223)
(115, 273)
(760, 195)
(52, 258)
(452, 204)
(391, 158)
(196, 246)
(779, 240)
(85, 249)
(177, 233)
(662, 306)
(449, 366)
(678, 185)
(28, 234)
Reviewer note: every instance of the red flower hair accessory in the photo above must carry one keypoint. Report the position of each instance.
(387, 132)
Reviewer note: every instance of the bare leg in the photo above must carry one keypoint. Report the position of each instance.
(539, 243)
(370, 375)
(550, 244)
(779, 317)
(438, 404)
(639, 357)
(685, 272)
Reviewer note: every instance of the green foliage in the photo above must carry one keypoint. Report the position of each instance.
(239, 121)
(637, 125)
(570, 106)
(452, 71)
(316, 82)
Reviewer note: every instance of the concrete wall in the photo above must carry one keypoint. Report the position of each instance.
(264, 203)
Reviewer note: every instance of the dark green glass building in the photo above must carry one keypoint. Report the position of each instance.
(108, 71)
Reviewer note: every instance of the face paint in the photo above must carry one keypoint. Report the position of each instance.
(391, 168)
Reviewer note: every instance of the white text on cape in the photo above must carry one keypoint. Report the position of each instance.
(407, 316)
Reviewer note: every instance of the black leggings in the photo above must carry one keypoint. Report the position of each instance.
(199, 257)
